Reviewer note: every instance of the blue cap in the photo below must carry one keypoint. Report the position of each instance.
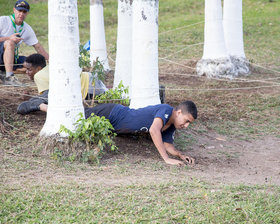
(22, 5)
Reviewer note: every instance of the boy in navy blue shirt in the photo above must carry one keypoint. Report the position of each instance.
(160, 121)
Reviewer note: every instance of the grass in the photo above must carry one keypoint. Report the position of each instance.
(186, 202)
(35, 189)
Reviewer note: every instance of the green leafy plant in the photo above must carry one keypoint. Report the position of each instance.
(84, 58)
(98, 68)
(117, 93)
(95, 132)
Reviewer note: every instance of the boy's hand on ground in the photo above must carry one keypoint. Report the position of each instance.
(187, 159)
(174, 162)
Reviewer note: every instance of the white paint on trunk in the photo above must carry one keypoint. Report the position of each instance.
(97, 34)
(215, 61)
(144, 83)
(124, 44)
(214, 42)
(233, 31)
(65, 100)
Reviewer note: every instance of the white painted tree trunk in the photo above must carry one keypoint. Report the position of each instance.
(65, 100)
(215, 61)
(144, 83)
(97, 34)
(233, 31)
(124, 44)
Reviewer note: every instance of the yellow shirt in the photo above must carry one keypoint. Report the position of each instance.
(41, 79)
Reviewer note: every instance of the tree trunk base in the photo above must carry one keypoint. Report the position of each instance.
(62, 148)
(229, 67)
(241, 64)
(221, 68)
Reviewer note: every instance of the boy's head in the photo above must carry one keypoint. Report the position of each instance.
(184, 114)
(33, 64)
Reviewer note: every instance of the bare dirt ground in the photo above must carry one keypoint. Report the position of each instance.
(219, 158)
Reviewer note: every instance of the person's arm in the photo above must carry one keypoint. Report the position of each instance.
(40, 50)
(43, 107)
(171, 150)
(13, 37)
(155, 132)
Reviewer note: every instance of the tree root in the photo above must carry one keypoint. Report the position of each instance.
(63, 148)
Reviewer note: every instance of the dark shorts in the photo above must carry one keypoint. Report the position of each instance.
(100, 110)
(19, 61)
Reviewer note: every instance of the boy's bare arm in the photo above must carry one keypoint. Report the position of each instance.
(155, 132)
(171, 150)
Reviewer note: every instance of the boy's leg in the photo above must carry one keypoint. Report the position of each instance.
(33, 104)
(100, 110)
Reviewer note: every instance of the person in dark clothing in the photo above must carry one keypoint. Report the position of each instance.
(160, 121)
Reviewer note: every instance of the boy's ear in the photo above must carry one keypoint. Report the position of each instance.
(38, 68)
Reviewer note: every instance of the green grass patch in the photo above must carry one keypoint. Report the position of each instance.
(191, 202)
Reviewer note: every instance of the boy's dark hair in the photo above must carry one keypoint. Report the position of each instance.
(36, 60)
(188, 107)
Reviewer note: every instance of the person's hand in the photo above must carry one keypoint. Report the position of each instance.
(187, 159)
(16, 38)
(174, 162)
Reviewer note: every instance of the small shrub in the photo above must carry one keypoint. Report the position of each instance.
(84, 58)
(98, 68)
(96, 132)
(117, 94)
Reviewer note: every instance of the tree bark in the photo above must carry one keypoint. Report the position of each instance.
(65, 99)
(124, 44)
(215, 61)
(233, 31)
(144, 83)
(97, 34)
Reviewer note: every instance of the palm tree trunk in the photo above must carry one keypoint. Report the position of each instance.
(124, 44)
(215, 61)
(97, 34)
(144, 83)
(233, 30)
(65, 99)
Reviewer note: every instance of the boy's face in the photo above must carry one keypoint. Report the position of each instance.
(31, 70)
(182, 120)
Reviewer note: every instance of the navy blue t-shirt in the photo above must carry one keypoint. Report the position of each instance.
(126, 120)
